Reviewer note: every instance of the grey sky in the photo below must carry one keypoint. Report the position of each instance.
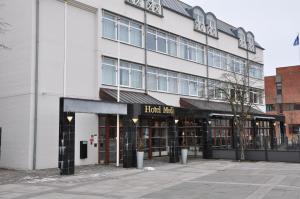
(275, 24)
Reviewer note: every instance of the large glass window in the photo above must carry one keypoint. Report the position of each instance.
(136, 76)
(183, 48)
(210, 57)
(109, 26)
(224, 61)
(161, 42)
(200, 54)
(162, 80)
(128, 31)
(201, 87)
(184, 84)
(192, 51)
(193, 86)
(124, 73)
(124, 30)
(172, 82)
(172, 45)
(136, 34)
(151, 39)
(152, 79)
(109, 71)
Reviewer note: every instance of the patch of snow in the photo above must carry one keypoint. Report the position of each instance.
(149, 169)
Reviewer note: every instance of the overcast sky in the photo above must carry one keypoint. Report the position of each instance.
(275, 24)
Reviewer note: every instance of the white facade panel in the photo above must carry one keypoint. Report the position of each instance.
(86, 125)
(48, 132)
(81, 79)
(110, 48)
(16, 151)
(17, 83)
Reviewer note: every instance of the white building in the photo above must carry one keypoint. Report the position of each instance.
(71, 49)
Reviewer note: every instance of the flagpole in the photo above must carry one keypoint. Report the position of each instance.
(298, 48)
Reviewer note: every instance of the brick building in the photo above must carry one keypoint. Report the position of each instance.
(283, 97)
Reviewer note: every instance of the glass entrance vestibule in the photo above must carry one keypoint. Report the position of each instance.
(158, 133)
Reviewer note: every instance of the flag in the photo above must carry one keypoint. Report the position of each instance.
(296, 42)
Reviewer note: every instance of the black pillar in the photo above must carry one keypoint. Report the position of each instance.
(129, 155)
(207, 148)
(173, 141)
(66, 141)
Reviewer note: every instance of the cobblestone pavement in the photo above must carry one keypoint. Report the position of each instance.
(198, 179)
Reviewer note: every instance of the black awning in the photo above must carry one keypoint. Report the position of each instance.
(128, 97)
(211, 106)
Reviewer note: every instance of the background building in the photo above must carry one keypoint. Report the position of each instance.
(283, 97)
(166, 50)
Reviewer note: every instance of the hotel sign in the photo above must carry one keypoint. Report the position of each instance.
(158, 110)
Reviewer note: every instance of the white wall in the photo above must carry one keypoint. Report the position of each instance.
(85, 126)
(82, 72)
(16, 84)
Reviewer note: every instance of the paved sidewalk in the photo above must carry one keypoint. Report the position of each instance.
(199, 179)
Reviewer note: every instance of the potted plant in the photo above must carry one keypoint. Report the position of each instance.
(184, 149)
(140, 153)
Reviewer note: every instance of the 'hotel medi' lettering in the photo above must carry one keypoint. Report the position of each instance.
(159, 109)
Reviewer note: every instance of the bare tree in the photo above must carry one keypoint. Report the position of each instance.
(3, 29)
(235, 89)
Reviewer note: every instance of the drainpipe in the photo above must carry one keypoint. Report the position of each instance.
(145, 47)
(36, 82)
(207, 67)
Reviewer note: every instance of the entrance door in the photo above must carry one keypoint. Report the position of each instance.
(159, 139)
(107, 140)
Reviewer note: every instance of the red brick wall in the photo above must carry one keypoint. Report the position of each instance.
(270, 90)
(290, 83)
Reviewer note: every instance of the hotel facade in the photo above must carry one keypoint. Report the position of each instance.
(59, 103)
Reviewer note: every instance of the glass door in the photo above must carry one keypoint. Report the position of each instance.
(159, 139)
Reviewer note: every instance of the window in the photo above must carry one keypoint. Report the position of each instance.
(172, 45)
(183, 48)
(109, 26)
(136, 75)
(124, 73)
(199, 20)
(200, 54)
(254, 97)
(270, 107)
(211, 25)
(224, 61)
(128, 31)
(210, 57)
(279, 88)
(193, 86)
(172, 82)
(109, 71)
(161, 42)
(256, 71)
(151, 39)
(152, 79)
(162, 80)
(251, 42)
(242, 38)
(124, 30)
(184, 84)
(201, 87)
(217, 59)
(135, 34)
